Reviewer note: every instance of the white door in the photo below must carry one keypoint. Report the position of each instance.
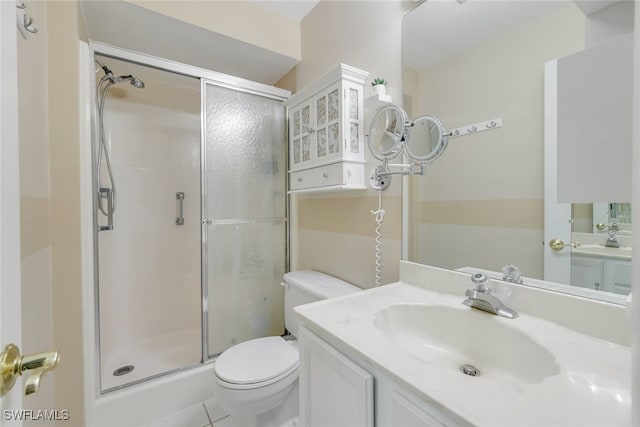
(10, 308)
(557, 216)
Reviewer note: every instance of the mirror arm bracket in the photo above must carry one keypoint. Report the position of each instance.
(406, 169)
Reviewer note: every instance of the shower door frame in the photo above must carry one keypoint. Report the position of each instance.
(89, 216)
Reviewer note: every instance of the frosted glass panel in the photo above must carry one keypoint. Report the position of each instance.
(334, 141)
(245, 155)
(321, 110)
(296, 123)
(296, 150)
(322, 142)
(245, 204)
(246, 265)
(353, 104)
(334, 107)
(306, 119)
(306, 148)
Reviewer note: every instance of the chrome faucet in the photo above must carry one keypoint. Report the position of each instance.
(612, 241)
(480, 297)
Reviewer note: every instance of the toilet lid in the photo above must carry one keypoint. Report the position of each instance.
(256, 361)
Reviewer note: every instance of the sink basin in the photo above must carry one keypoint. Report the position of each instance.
(450, 337)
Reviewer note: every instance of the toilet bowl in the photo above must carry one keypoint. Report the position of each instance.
(257, 381)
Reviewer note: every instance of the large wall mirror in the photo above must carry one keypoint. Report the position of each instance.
(481, 206)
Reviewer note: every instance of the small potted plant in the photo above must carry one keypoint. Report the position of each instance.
(379, 86)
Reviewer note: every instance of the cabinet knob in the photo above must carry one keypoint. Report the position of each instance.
(325, 175)
(299, 179)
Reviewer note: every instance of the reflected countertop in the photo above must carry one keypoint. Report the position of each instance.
(597, 250)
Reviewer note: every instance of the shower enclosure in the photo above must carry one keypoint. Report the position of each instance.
(190, 250)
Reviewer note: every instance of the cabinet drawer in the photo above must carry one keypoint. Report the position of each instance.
(302, 179)
(336, 176)
(330, 175)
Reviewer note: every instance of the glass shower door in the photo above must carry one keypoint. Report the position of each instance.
(149, 271)
(244, 212)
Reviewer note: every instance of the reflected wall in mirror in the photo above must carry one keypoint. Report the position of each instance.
(482, 204)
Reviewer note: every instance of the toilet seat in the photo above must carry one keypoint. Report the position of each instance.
(256, 363)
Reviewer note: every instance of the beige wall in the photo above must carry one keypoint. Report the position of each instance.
(240, 20)
(49, 202)
(481, 204)
(62, 49)
(335, 231)
(35, 239)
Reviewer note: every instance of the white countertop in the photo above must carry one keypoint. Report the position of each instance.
(592, 387)
(623, 252)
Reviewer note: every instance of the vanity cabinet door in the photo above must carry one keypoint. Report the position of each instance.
(587, 272)
(408, 412)
(334, 391)
(617, 276)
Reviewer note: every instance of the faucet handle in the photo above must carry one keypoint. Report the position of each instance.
(511, 273)
(480, 281)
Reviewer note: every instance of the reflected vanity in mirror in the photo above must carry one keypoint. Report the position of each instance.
(482, 204)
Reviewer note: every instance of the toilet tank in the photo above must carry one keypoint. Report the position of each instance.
(306, 286)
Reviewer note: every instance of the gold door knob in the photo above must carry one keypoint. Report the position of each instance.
(558, 245)
(13, 365)
(600, 226)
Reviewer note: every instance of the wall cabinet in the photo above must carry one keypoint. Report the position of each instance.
(336, 390)
(326, 133)
(605, 274)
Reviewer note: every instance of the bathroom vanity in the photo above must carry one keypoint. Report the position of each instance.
(394, 356)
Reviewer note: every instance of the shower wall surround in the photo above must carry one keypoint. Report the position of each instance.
(149, 266)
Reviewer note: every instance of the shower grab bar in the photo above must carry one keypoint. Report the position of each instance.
(107, 193)
(180, 199)
(242, 221)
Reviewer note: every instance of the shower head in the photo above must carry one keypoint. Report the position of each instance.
(137, 83)
(133, 81)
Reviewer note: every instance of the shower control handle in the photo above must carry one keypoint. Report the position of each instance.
(180, 199)
(107, 193)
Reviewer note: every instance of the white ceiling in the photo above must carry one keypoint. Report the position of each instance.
(438, 29)
(296, 9)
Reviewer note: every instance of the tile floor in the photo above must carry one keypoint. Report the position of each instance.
(207, 414)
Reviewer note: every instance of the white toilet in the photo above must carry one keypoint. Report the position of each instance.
(257, 380)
